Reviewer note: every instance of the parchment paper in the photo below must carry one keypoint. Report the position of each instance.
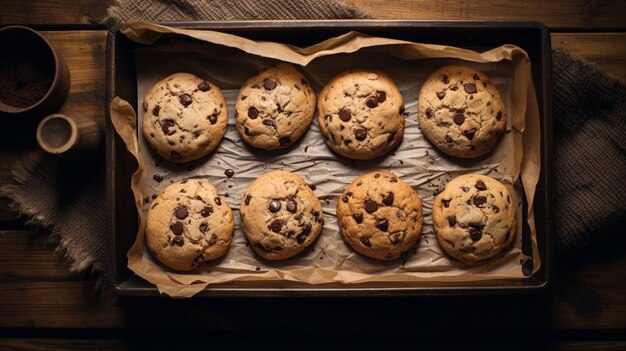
(228, 60)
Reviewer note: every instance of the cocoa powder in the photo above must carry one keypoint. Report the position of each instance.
(26, 73)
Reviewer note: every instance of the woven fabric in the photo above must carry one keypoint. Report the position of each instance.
(228, 10)
(589, 116)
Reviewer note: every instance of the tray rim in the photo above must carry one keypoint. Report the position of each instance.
(531, 284)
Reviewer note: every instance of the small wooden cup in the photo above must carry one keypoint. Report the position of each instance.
(70, 137)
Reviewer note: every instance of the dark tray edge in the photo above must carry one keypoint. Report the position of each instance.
(533, 284)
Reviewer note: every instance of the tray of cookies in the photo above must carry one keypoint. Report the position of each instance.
(328, 158)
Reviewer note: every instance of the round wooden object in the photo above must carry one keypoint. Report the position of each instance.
(68, 136)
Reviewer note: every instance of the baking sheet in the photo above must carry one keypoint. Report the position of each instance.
(330, 260)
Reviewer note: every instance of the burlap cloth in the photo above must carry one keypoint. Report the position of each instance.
(589, 143)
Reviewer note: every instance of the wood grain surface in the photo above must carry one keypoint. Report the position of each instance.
(44, 306)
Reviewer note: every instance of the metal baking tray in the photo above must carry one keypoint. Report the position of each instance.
(122, 215)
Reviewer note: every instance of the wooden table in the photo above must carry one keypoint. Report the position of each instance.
(45, 306)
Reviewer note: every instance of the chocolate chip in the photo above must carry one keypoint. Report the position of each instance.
(344, 115)
(499, 115)
(360, 134)
(246, 130)
(181, 212)
(206, 211)
(247, 200)
(276, 225)
(480, 200)
(382, 224)
(476, 77)
(298, 217)
(185, 100)
(177, 228)
(401, 109)
(475, 233)
(315, 213)
(446, 203)
(480, 185)
(365, 241)
(156, 110)
(253, 113)
(377, 175)
(312, 186)
(495, 208)
(441, 95)
(218, 201)
(452, 221)
(213, 119)
(448, 139)
(292, 206)
(459, 118)
(358, 218)
(444, 79)
(470, 133)
(454, 88)
(204, 86)
(465, 189)
(371, 102)
(204, 227)
(268, 122)
(213, 239)
(396, 237)
(157, 178)
(229, 173)
(394, 179)
(273, 206)
(345, 198)
(381, 96)
(175, 155)
(284, 141)
(302, 236)
(269, 84)
(388, 200)
(168, 127)
(429, 113)
(178, 240)
(470, 88)
(370, 206)
(391, 136)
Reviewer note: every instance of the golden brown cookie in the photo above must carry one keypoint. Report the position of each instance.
(380, 215)
(461, 112)
(474, 217)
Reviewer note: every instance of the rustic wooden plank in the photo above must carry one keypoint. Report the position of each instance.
(85, 54)
(54, 344)
(605, 50)
(555, 13)
(53, 11)
(62, 304)
(25, 256)
(589, 346)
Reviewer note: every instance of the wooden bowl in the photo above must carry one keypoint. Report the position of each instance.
(34, 78)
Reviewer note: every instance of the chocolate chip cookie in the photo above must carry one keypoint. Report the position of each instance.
(380, 215)
(280, 215)
(185, 117)
(474, 217)
(360, 114)
(275, 108)
(461, 112)
(188, 223)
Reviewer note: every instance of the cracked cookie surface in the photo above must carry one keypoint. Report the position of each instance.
(280, 215)
(461, 112)
(474, 217)
(380, 215)
(275, 108)
(188, 223)
(185, 117)
(360, 113)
